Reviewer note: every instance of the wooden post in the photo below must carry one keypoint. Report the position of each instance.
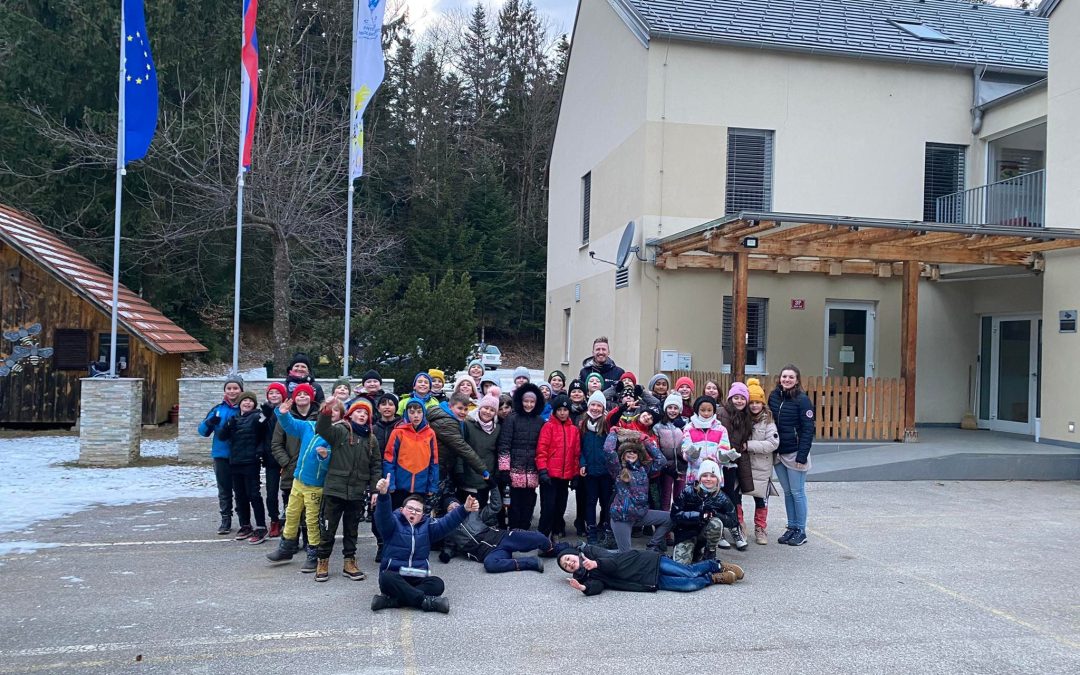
(740, 275)
(909, 333)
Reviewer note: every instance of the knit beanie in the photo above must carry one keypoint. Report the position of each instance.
(685, 380)
(654, 412)
(628, 376)
(358, 404)
(560, 401)
(371, 375)
(576, 384)
(417, 379)
(234, 378)
(753, 387)
(596, 376)
(300, 357)
(709, 466)
(489, 401)
(597, 397)
(522, 371)
(304, 388)
(494, 391)
(436, 373)
(740, 389)
(342, 382)
(387, 396)
(279, 388)
(656, 378)
(474, 362)
(557, 373)
(704, 399)
(249, 396)
(545, 385)
(673, 399)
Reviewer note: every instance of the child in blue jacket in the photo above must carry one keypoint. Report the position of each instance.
(213, 424)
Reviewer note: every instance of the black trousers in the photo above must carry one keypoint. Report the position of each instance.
(731, 484)
(409, 591)
(397, 499)
(553, 498)
(598, 489)
(273, 487)
(481, 496)
(245, 480)
(580, 495)
(522, 504)
(223, 477)
(336, 510)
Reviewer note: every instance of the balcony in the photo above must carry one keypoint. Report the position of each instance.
(1019, 201)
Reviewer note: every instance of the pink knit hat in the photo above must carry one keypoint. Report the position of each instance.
(489, 401)
(740, 389)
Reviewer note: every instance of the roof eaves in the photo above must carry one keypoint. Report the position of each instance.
(1047, 8)
(1018, 93)
(634, 21)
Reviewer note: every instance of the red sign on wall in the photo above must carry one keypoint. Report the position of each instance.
(798, 303)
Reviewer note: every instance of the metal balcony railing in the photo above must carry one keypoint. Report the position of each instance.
(1019, 201)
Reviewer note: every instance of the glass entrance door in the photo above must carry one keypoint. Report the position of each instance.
(1009, 374)
(849, 339)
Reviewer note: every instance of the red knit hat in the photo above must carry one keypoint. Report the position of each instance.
(358, 404)
(304, 388)
(684, 380)
(279, 388)
(628, 376)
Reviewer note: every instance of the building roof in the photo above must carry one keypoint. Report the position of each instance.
(31, 239)
(1000, 38)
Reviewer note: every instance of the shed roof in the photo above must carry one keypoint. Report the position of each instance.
(999, 38)
(27, 236)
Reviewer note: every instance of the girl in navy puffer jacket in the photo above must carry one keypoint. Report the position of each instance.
(794, 416)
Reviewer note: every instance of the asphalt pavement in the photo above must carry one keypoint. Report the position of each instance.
(928, 577)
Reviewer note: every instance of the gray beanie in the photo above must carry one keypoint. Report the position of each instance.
(522, 371)
(234, 377)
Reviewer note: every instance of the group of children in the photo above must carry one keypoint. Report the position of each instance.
(656, 461)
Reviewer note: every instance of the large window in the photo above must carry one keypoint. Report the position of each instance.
(943, 175)
(749, 171)
(586, 206)
(757, 312)
(122, 350)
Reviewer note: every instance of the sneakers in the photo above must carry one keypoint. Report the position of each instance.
(258, 536)
(380, 601)
(709, 553)
(740, 540)
(322, 569)
(275, 529)
(760, 537)
(312, 561)
(378, 554)
(726, 577)
(350, 571)
(226, 525)
(798, 538)
(723, 543)
(786, 536)
(734, 569)
(284, 552)
(434, 603)
(244, 532)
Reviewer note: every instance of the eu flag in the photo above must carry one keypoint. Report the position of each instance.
(140, 84)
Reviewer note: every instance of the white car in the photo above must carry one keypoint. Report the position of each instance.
(490, 357)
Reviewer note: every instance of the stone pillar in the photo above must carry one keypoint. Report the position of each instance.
(110, 421)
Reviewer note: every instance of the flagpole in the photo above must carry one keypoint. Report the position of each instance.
(348, 274)
(119, 193)
(239, 205)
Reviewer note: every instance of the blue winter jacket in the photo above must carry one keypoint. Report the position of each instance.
(405, 545)
(592, 454)
(219, 449)
(310, 467)
(794, 416)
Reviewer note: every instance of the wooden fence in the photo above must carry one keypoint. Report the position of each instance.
(847, 408)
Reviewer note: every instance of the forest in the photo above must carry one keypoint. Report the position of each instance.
(450, 217)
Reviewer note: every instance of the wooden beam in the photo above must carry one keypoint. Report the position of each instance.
(781, 265)
(937, 239)
(996, 241)
(797, 232)
(697, 241)
(739, 282)
(831, 233)
(875, 235)
(1051, 245)
(909, 335)
(874, 252)
(745, 228)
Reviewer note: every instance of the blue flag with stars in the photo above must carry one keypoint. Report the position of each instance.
(140, 84)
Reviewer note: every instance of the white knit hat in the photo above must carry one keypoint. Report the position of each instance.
(597, 397)
(673, 399)
(709, 466)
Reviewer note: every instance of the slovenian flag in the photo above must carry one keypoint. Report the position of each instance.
(368, 70)
(249, 83)
(140, 84)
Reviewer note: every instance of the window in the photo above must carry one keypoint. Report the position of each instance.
(71, 349)
(921, 31)
(567, 336)
(943, 175)
(757, 312)
(122, 350)
(622, 277)
(749, 171)
(586, 206)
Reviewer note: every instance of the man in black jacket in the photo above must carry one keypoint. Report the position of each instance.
(478, 539)
(299, 372)
(594, 569)
(601, 362)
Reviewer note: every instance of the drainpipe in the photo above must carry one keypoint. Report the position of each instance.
(976, 107)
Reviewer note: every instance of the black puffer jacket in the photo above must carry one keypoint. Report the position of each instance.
(245, 433)
(355, 460)
(519, 437)
(382, 431)
(477, 536)
(268, 460)
(486, 447)
(794, 417)
(689, 507)
(611, 372)
(627, 571)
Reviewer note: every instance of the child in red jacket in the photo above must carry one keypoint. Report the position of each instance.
(558, 453)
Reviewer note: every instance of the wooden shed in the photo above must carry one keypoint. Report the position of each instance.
(55, 308)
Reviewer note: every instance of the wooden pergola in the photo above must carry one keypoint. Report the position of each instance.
(784, 243)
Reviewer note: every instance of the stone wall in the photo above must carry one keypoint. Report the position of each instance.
(110, 422)
(199, 394)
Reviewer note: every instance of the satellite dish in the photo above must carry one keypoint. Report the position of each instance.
(626, 246)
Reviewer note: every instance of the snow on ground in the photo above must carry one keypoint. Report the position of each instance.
(36, 485)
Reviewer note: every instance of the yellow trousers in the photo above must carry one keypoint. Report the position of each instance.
(305, 501)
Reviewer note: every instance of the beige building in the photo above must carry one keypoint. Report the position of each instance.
(884, 115)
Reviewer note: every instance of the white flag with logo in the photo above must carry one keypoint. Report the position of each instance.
(368, 70)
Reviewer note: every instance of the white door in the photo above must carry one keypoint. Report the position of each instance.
(849, 338)
(1009, 373)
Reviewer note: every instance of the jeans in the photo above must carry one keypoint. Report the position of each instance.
(245, 480)
(522, 504)
(621, 530)
(598, 489)
(553, 505)
(794, 484)
(337, 510)
(409, 591)
(685, 578)
(224, 486)
(501, 559)
(273, 487)
(303, 500)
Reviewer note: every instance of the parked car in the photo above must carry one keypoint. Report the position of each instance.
(489, 355)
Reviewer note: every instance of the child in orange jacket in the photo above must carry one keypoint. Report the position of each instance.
(558, 454)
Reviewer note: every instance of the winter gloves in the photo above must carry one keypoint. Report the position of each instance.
(544, 477)
(730, 455)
